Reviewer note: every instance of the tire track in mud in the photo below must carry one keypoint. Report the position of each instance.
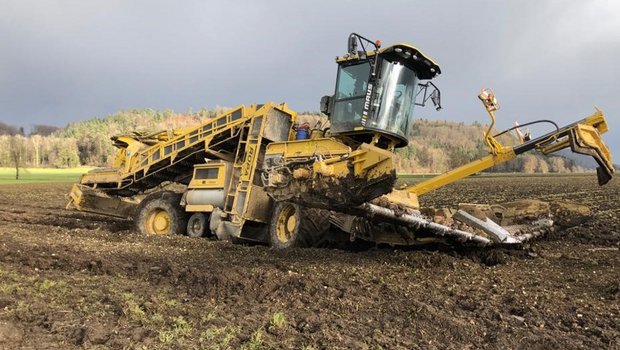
(62, 218)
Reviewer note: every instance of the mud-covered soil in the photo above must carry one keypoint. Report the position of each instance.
(77, 280)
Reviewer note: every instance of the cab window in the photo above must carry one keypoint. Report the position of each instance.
(206, 173)
(350, 94)
(353, 81)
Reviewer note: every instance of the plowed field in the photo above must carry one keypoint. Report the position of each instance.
(77, 280)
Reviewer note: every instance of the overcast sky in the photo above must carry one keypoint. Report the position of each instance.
(63, 61)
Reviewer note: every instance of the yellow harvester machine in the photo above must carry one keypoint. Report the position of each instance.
(252, 173)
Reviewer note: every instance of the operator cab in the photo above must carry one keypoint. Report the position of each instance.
(376, 92)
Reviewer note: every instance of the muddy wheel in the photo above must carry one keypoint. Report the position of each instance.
(197, 225)
(293, 225)
(161, 214)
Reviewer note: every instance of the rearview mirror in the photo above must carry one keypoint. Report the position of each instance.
(326, 105)
(434, 95)
(436, 98)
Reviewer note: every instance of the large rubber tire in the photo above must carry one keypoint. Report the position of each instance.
(197, 225)
(161, 213)
(293, 225)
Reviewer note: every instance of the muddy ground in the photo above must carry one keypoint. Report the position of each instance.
(76, 280)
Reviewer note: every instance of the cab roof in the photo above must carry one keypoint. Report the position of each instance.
(409, 55)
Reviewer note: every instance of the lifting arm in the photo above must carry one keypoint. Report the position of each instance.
(583, 137)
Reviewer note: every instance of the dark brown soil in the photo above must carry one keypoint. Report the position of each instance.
(76, 280)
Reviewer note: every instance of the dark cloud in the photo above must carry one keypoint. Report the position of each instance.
(64, 61)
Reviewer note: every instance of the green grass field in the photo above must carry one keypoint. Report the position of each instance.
(38, 175)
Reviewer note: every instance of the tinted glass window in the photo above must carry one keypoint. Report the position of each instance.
(353, 80)
(350, 93)
(206, 174)
(395, 99)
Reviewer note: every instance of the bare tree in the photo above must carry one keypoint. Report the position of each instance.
(17, 151)
(6, 129)
(43, 130)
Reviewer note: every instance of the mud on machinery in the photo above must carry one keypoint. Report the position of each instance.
(254, 174)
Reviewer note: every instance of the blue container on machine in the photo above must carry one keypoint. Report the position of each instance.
(302, 134)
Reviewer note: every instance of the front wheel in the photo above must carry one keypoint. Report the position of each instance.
(197, 224)
(161, 214)
(293, 225)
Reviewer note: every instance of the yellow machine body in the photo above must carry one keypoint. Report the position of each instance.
(246, 166)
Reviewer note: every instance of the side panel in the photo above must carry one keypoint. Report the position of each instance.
(259, 206)
(277, 125)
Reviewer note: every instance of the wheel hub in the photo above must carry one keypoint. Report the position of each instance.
(196, 226)
(290, 223)
(159, 223)
(287, 221)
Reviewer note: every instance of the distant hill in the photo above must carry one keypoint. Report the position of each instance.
(435, 146)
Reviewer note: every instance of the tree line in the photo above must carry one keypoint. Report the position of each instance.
(435, 146)
(85, 142)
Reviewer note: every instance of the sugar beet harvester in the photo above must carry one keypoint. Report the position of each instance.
(253, 174)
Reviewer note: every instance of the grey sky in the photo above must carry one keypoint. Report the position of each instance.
(63, 61)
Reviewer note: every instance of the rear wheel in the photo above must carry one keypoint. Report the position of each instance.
(161, 214)
(293, 225)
